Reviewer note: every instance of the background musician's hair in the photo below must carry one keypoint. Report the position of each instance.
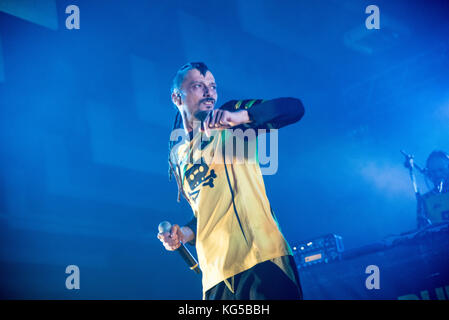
(437, 154)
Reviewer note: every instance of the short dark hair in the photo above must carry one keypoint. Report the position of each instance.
(180, 75)
(436, 154)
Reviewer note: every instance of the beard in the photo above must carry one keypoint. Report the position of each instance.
(201, 115)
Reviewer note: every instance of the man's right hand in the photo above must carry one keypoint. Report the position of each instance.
(172, 240)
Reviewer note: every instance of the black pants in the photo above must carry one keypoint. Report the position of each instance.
(264, 281)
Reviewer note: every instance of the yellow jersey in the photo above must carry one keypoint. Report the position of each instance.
(235, 225)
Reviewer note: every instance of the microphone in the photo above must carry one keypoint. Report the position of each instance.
(410, 164)
(165, 226)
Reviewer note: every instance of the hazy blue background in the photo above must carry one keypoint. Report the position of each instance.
(85, 117)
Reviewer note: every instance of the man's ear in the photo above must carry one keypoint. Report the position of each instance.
(176, 98)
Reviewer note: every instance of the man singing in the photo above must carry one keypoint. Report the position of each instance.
(241, 250)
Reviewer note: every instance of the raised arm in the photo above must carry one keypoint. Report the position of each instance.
(267, 114)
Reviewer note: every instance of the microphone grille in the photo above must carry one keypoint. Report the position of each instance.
(164, 226)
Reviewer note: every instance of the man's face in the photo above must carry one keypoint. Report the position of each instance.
(198, 94)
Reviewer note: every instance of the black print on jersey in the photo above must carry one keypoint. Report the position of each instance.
(197, 176)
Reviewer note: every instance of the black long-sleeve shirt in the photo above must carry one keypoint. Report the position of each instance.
(268, 114)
